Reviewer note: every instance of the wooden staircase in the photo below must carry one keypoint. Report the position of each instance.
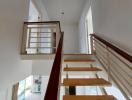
(85, 81)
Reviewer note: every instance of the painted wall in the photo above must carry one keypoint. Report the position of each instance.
(112, 20)
(41, 8)
(42, 67)
(12, 19)
(3, 94)
(82, 29)
(12, 68)
(71, 37)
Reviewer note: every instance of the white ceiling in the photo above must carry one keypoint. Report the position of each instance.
(72, 10)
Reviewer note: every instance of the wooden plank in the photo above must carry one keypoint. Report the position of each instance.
(89, 60)
(90, 97)
(82, 69)
(85, 82)
(15, 91)
(77, 54)
(42, 47)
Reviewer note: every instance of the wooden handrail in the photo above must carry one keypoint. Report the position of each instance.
(116, 49)
(53, 84)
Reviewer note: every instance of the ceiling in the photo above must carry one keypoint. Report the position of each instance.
(72, 10)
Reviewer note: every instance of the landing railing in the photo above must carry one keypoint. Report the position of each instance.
(40, 37)
(116, 62)
(52, 92)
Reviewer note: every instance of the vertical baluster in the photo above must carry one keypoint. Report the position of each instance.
(104, 92)
(29, 38)
(67, 72)
(91, 43)
(108, 63)
(38, 44)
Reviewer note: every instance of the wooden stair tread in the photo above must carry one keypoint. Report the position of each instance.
(90, 97)
(82, 69)
(85, 82)
(76, 54)
(89, 60)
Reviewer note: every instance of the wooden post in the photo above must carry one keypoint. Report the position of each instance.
(24, 40)
(15, 91)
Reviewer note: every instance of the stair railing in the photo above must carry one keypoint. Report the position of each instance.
(52, 92)
(116, 62)
(40, 37)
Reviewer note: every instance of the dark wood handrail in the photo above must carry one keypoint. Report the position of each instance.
(116, 49)
(53, 84)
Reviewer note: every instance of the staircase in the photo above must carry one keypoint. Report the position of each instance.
(114, 61)
(94, 81)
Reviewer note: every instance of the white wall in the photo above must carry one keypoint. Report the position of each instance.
(82, 30)
(42, 67)
(112, 19)
(71, 39)
(41, 8)
(71, 31)
(12, 68)
(3, 94)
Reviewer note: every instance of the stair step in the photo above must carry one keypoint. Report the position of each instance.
(77, 54)
(85, 82)
(82, 69)
(90, 97)
(90, 60)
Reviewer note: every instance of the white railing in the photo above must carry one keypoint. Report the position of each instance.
(116, 62)
(40, 37)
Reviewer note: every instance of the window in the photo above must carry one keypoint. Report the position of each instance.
(24, 88)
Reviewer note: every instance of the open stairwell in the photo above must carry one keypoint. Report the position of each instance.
(77, 66)
(113, 61)
(110, 79)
